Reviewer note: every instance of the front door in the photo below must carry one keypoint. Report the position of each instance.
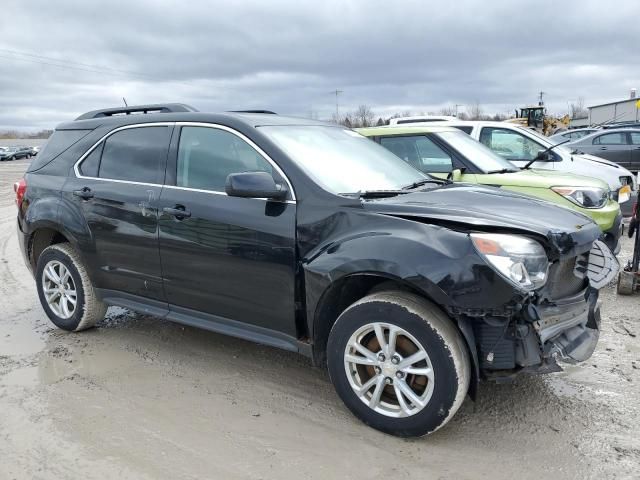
(117, 191)
(226, 256)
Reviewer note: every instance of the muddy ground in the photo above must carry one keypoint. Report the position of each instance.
(141, 398)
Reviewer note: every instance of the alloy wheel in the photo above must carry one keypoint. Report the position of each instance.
(59, 289)
(389, 370)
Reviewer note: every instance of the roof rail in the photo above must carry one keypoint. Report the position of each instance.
(154, 108)
(253, 111)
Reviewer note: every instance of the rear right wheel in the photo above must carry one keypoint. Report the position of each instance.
(398, 363)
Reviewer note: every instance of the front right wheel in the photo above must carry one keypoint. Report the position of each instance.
(398, 363)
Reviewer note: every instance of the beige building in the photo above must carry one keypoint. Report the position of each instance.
(621, 111)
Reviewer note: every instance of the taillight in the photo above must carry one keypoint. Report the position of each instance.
(20, 187)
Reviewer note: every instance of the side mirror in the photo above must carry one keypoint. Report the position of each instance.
(254, 185)
(545, 157)
(455, 175)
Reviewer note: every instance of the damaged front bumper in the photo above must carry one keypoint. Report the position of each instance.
(546, 329)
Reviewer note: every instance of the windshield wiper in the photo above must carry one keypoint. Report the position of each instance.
(378, 193)
(540, 154)
(502, 170)
(424, 181)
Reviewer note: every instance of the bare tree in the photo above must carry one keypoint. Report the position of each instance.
(449, 111)
(577, 110)
(363, 116)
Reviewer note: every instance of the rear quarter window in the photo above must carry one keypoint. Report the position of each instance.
(59, 142)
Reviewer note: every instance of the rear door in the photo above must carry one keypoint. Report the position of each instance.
(116, 188)
(613, 146)
(634, 137)
(225, 257)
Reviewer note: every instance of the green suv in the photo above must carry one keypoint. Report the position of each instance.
(448, 152)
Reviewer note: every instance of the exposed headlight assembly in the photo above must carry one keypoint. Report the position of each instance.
(520, 260)
(586, 197)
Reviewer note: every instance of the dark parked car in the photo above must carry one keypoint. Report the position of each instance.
(309, 237)
(571, 135)
(15, 153)
(621, 146)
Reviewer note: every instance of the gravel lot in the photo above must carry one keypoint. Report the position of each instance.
(140, 398)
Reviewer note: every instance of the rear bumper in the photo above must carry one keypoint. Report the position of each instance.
(23, 241)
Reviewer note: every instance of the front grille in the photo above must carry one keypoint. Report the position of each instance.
(564, 280)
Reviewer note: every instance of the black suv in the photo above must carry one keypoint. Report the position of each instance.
(307, 236)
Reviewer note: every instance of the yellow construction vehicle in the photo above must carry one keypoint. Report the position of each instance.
(536, 117)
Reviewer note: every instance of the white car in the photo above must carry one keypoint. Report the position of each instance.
(525, 147)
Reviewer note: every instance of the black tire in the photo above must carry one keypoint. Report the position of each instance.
(626, 283)
(89, 308)
(438, 336)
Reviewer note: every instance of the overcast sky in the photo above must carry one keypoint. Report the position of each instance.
(62, 58)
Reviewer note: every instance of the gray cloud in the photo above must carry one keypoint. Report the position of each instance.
(288, 56)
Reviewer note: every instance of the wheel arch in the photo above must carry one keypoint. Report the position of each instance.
(43, 234)
(346, 290)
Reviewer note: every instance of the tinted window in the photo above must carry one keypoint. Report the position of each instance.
(610, 139)
(420, 152)
(206, 157)
(466, 130)
(135, 154)
(58, 142)
(509, 144)
(90, 165)
(635, 138)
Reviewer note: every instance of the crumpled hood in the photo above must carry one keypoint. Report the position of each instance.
(489, 209)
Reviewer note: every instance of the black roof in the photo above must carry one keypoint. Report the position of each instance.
(179, 113)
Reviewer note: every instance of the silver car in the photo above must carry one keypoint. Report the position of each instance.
(621, 146)
(571, 135)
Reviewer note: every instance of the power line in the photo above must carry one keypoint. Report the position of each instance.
(70, 63)
(78, 66)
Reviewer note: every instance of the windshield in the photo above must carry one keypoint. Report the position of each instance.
(476, 152)
(342, 161)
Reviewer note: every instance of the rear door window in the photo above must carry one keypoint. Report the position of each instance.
(611, 139)
(135, 155)
(635, 138)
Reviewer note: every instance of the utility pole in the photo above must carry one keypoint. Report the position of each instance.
(337, 92)
(541, 101)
